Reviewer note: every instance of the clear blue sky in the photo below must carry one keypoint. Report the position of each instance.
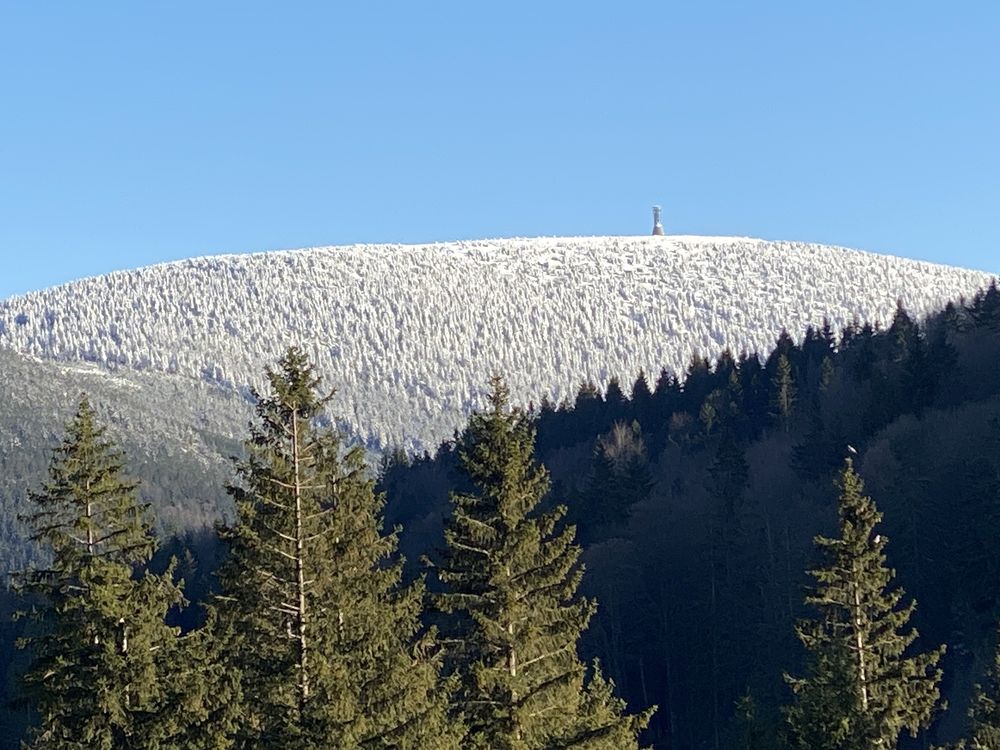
(132, 133)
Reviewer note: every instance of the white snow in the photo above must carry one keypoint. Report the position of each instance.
(410, 333)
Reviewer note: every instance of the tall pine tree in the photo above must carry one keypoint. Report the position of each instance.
(865, 685)
(511, 577)
(326, 640)
(102, 656)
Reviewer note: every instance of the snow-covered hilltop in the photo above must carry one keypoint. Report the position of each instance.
(408, 334)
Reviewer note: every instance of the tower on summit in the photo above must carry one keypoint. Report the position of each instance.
(657, 224)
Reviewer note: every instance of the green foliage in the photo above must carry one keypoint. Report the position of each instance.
(601, 722)
(985, 712)
(728, 475)
(985, 309)
(753, 733)
(784, 392)
(511, 577)
(619, 478)
(208, 702)
(826, 374)
(100, 675)
(864, 686)
(312, 616)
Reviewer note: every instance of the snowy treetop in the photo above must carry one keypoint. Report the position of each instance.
(409, 334)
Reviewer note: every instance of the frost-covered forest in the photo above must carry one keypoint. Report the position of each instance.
(408, 333)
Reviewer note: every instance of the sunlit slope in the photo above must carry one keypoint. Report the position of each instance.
(408, 334)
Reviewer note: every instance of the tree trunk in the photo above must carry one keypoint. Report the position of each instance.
(859, 645)
(300, 570)
(90, 540)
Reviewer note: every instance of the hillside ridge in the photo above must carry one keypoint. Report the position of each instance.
(409, 333)
(684, 239)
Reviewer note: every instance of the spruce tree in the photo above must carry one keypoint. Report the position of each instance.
(753, 393)
(642, 395)
(327, 643)
(783, 391)
(728, 477)
(207, 708)
(826, 374)
(865, 684)
(619, 478)
(985, 308)
(985, 712)
(698, 383)
(614, 397)
(513, 614)
(902, 333)
(101, 654)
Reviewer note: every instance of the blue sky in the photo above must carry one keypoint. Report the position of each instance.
(132, 133)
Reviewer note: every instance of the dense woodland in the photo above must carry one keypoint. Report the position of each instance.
(792, 551)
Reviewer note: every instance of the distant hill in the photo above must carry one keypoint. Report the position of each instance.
(408, 334)
(178, 434)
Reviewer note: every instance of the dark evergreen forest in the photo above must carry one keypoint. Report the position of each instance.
(697, 496)
(662, 534)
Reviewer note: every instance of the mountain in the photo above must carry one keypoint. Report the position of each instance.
(408, 334)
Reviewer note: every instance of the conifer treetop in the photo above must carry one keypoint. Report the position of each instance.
(513, 615)
(102, 649)
(866, 684)
(313, 616)
(88, 505)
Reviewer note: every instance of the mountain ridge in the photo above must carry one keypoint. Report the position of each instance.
(409, 333)
(684, 238)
